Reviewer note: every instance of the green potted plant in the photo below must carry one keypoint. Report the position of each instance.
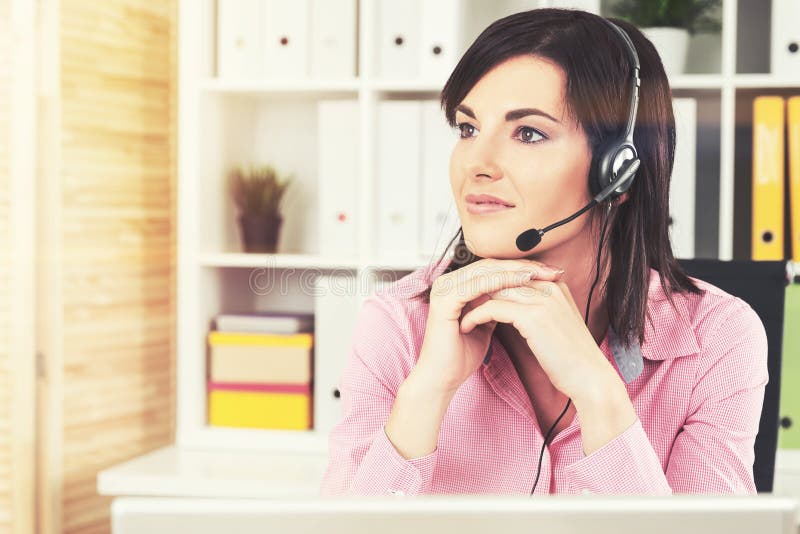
(669, 23)
(257, 195)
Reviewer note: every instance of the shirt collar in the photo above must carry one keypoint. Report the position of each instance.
(668, 334)
(668, 331)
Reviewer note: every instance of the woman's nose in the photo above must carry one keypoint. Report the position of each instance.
(482, 160)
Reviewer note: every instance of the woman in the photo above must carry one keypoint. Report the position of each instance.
(481, 374)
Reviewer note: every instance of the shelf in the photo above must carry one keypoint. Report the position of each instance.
(302, 86)
(766, 81)
(717, 81)
(421, 86)
(180, 472)
(307, 261)
(275, 261)
(696, 81)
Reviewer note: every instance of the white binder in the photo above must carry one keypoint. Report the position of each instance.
(333, 38)
(399, 38)
(785, 54)
(683, 181)
(336, 306)
(398, 179)
(338, 172)
(440, 220)
(285, 37)
(338, 135)
(440, 41)
(238, 39)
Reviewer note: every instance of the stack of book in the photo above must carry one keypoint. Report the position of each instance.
(260, 372)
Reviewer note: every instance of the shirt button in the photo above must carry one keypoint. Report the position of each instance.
(399, 493)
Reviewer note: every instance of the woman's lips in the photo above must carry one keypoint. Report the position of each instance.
(486, 207)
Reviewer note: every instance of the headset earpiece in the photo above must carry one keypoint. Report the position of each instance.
(612, 160)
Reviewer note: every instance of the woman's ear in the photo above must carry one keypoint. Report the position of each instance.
(622, 198)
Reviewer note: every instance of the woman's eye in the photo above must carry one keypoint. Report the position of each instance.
(460, 127)
(528, 135)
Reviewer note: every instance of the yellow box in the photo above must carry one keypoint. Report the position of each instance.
(260, 358)
(304, 340)
(260, 409)
(260, 364)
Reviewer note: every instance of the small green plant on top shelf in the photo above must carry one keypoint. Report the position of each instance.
(691, 15)
(257, 194)
(668, 24)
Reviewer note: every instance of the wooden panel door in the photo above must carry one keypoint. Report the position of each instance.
(106, 247)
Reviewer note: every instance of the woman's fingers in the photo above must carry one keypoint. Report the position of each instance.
(486, 276)
(532, 291)
(529, 293)
(491, 311)
(480, 299)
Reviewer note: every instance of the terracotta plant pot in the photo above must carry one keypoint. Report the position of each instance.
(260, 232)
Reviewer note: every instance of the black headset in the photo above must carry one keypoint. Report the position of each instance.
(617, 160)
(612, 172)
(614, 162)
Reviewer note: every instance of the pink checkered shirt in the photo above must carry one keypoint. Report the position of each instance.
(697, 385)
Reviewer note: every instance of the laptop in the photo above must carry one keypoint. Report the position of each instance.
(465, 514)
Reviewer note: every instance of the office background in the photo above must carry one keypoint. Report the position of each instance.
(123, 243)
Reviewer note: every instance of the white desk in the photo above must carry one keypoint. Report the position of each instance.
(466, 514)
(172, 473)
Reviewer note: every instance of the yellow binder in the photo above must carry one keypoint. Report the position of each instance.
(768, 157)
(793, 112)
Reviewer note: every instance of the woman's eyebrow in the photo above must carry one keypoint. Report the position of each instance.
(512, 115)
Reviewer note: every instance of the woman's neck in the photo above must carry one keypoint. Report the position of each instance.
(579, 285)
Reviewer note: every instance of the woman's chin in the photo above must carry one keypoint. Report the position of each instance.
(493, 246)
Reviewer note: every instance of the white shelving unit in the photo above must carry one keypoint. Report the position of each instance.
(223, 122)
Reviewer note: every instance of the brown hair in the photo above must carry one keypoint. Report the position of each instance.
(597, 69)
